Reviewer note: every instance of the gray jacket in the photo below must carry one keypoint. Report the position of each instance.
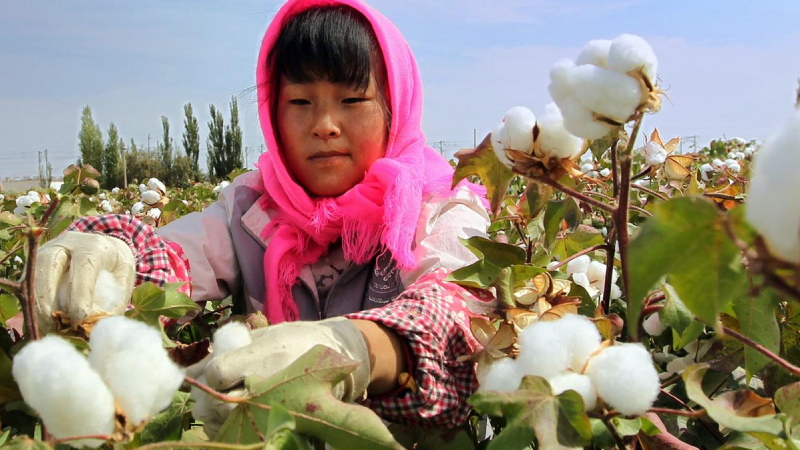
(226, 252)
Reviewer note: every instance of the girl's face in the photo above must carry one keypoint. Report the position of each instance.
(330, 133)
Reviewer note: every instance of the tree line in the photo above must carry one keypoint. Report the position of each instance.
(121, 164)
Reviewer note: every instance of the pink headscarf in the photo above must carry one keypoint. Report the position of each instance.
(382, 211)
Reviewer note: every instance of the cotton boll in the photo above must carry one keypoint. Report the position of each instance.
(579, 121)
(57, 381)
(155, 213)
(653, 326)
(553, 139)
(115, 191)
(582, 339)
(231, 336)
(561, 83)
(578, 265)
(717, 162)
(729, 162)
(607, 93)
(587, 168)
(151, 197)
(543, 351)
(499, 140)
(142, 188)
(605, 172)
(654, 154)
(595, 53)
(24, 201)
(630, 52)
(519, 122)
(739, 155)
(156, 185)
(625, 378)
(106, 206)
(137, 208)
(772, 206)
(581, 384)
(109, 295)
(735, 168)
(131, 360)
(706, 168)
(504, 375)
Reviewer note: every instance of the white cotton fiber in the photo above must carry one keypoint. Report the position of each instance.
(504, 375)
(629, 52)
(582, 339)
(595, 52)
(561, 81)
(156, 185)
(581, 384)
(57, 381)
(151, 197)
(653, 326)
(579, 120)
(654, 154)
(231, 336)
(499, 140)
(519, 122)
(137, 208)
(131, 360)
(772, 207)
(607, 93)
(142, 188)
(625, 378)
(109, 295)
(578, 265)
(543, 351)
(554, 139)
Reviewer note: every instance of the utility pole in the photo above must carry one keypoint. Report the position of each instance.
(474, 137)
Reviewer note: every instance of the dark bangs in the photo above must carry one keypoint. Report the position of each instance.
(334, 44)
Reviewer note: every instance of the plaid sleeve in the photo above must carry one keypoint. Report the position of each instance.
(429, 318)
(156, 260)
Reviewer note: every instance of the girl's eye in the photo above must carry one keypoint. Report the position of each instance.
(299, 101)
(352, 100)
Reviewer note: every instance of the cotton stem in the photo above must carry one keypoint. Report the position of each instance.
(212, 392)
(575, 194)
(580, 253)
(794, 370)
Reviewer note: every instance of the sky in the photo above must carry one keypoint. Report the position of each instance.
(730, 68)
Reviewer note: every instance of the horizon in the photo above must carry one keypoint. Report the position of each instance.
(726, 66)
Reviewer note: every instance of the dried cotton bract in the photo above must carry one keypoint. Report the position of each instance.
(605, 85)
(772, 206)
(57, 381)
(130, 358)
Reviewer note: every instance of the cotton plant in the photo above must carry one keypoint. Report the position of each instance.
(605, 85)
(219, 187)
(772, 206)
(127, 367)
(590, 275)
(153, 198)
(24, 202)
(570, 355)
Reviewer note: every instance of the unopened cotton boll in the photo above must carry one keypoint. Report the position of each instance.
(231, 336)
(554, 140)
(581, 384)
(504, 375)
(57, 381)
(543, 351)
(151, 197)
(130, 358)
(625, 378)
(629, 52)
(772, 207)
(137, 208)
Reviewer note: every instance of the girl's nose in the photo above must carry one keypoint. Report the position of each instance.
(325, 128)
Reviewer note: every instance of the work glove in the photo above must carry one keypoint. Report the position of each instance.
(72, 262)
(273, 349)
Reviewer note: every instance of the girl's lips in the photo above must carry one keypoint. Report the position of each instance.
(328, 154)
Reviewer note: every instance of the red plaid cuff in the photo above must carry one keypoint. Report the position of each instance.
(156, 260)
(422, 316)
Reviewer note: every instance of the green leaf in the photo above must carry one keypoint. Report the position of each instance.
(559, 211)
(685, 239)
(8, 386)
(534, 199)
(758, 321)
(304, 390)
(627, 427)
(9, 307)
(482, 162)
(150, 302)
(694, 331)
(582, 238)
(419, 438)
(493, 257)
(787, 399)
(168, 424)
(556, 421)
(674, 314)
(721, 408)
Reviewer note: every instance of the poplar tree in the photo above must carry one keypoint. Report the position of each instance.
(110, 160)
(191, 137)
(90, 140)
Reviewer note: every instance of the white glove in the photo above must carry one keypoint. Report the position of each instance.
(73, 262)
(273, 349)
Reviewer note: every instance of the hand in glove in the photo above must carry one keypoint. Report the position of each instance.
(271, 350)
(67, 270)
